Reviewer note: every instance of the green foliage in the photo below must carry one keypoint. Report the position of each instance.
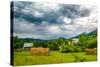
(83, 39)
(17, 43)
(64, 45)
(88, 41)
(70, 48)
(92, 43)
(77, 49)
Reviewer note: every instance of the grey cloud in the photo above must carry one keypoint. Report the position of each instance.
(73, 11)
(49, 22)
(70, 11)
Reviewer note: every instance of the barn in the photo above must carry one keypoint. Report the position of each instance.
(27, 46)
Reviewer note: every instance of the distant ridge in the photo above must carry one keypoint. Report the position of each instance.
(92, 33)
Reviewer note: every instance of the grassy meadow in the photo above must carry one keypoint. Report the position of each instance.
(25, 58)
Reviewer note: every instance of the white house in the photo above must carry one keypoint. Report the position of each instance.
(75, 40)
(27, 46)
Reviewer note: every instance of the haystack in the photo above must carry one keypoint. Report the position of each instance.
(40, 51)
(89, 51)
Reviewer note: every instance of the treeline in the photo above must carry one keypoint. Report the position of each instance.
(61, 44)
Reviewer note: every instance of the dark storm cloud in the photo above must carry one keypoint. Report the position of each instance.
(70, 11)
(28, 17)
(73, 11)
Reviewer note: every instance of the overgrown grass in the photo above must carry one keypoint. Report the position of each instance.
(25, 58)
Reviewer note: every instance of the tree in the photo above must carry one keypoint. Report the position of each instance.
(17, 43)
(92, 43)
(83, 40)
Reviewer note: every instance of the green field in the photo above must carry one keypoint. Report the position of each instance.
(25, 58)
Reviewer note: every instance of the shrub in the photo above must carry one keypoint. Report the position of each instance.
(92, 43)
(77, 49)
(70, 48)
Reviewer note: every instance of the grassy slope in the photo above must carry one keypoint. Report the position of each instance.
(24, 58)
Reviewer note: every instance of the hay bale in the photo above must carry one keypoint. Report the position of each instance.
(89, 51)
(40, 51)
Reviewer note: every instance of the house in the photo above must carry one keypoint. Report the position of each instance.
(75, 40)
(27, 46)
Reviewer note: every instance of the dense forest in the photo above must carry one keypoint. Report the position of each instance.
(84, 40)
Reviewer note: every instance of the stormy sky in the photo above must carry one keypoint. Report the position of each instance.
(52, 20)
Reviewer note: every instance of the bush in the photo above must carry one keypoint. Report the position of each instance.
(77, 49)
(92, 43)
(70, 48)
